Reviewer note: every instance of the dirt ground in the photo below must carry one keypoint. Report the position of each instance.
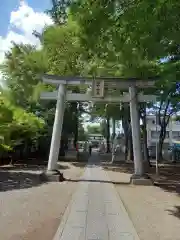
(30, 209)
(154, 210)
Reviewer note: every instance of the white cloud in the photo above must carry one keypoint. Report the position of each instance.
(26, 19)
(23, 22)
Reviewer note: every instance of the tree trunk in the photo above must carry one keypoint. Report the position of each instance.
(147, 163)
(76, 133)
(62, 148)
(145, 149)
(113, 128)
(163, 123)
(160, 145)
(113, 138)
(130, 147)
(126, 146)
(108, 150)
(126, 126)
(144, 129)
(162, 137)
(76, 111)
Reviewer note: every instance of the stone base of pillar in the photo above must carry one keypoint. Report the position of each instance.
(52, 176)
(141, 180)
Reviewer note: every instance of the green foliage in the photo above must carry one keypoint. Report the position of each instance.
(93, 129)
(59, 11)
(82, 134)
(135, 28)
(16, 125)
(103, 127)
(101, 111)
(21, 69)
(63, 49)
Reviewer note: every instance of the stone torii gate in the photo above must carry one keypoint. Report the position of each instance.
(98, 93)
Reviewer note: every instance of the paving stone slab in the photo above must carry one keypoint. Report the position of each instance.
(96, 211)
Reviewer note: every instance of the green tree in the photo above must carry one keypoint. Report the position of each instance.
(64, 53)
(17, 127)
(22, 69)
(138, 34)
(63, 49)
(82, 134)
(94, 129)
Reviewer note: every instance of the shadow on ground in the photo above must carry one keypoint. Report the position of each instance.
(175, 212)
(97, 181)
(118, 167)
(13, 180)
(79, 164)
(29, 167)
(22, 176)
(168, 179)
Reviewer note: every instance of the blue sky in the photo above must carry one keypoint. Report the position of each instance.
(7, 6)
(19, 18)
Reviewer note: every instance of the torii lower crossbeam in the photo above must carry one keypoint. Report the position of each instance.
(73, 97)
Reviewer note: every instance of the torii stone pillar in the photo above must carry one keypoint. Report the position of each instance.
(139, 176)
(57, 129)
(135, 125)
(52, 173)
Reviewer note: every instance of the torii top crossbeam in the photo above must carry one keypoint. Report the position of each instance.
(110, 82)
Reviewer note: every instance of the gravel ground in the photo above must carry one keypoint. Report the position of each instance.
(34, 211)
(155, 212)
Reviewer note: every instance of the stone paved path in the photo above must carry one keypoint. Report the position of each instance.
(96, 211)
